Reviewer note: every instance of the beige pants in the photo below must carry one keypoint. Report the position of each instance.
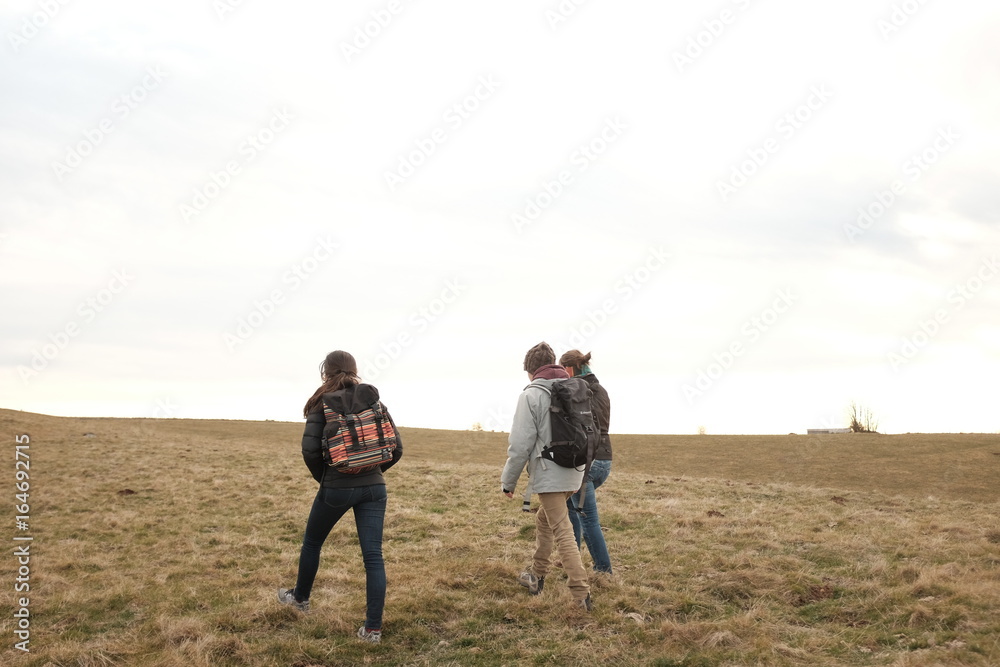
(553, 528)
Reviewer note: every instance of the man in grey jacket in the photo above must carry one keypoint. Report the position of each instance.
(529, 434)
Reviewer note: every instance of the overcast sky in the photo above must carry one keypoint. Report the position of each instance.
(752, 213)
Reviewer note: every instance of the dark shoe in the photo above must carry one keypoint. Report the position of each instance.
(585, 603)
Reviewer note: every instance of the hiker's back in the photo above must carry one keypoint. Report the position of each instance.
(546, 476)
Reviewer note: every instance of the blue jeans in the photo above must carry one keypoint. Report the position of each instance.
(590, 525)
(368, 503)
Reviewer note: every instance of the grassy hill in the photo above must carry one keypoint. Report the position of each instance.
(161, 542)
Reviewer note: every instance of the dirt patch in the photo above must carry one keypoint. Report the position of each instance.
(814, 594)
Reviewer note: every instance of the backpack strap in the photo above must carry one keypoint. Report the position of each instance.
(537, 450)
(583, 487)
(379, 417)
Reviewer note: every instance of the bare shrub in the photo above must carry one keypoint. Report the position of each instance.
(862, 420)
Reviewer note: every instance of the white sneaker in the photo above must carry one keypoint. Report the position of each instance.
(370, 636)
(286, 596)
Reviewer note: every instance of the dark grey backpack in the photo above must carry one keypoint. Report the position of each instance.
(574, 435)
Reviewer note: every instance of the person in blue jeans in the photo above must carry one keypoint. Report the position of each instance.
(363, 492)
(588, 526)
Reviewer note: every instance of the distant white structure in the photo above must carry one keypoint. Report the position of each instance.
(815, 431)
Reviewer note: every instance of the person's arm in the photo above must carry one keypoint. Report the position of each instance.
(521, 443)
(312, 442)
(602, 408)
(605, 438)
(397, 453)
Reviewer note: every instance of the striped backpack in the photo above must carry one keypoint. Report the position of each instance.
(358, 436)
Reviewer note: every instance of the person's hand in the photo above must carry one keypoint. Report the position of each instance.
(509, 494)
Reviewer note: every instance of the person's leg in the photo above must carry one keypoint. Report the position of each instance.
(599, 472)
(543, 541)
(557, 519)
(369, 517)
(591, 521)
(593, 535)
(328, 507)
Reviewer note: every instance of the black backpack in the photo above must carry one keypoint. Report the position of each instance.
(574, 437)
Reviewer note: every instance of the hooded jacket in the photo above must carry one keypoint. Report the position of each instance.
(349, 399)
(530, 433)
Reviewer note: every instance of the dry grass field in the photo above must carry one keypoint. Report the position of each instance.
(161, 542)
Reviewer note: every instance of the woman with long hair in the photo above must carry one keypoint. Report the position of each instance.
(577, 364)
(364, 491)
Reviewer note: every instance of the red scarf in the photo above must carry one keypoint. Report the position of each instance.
(550, 372)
